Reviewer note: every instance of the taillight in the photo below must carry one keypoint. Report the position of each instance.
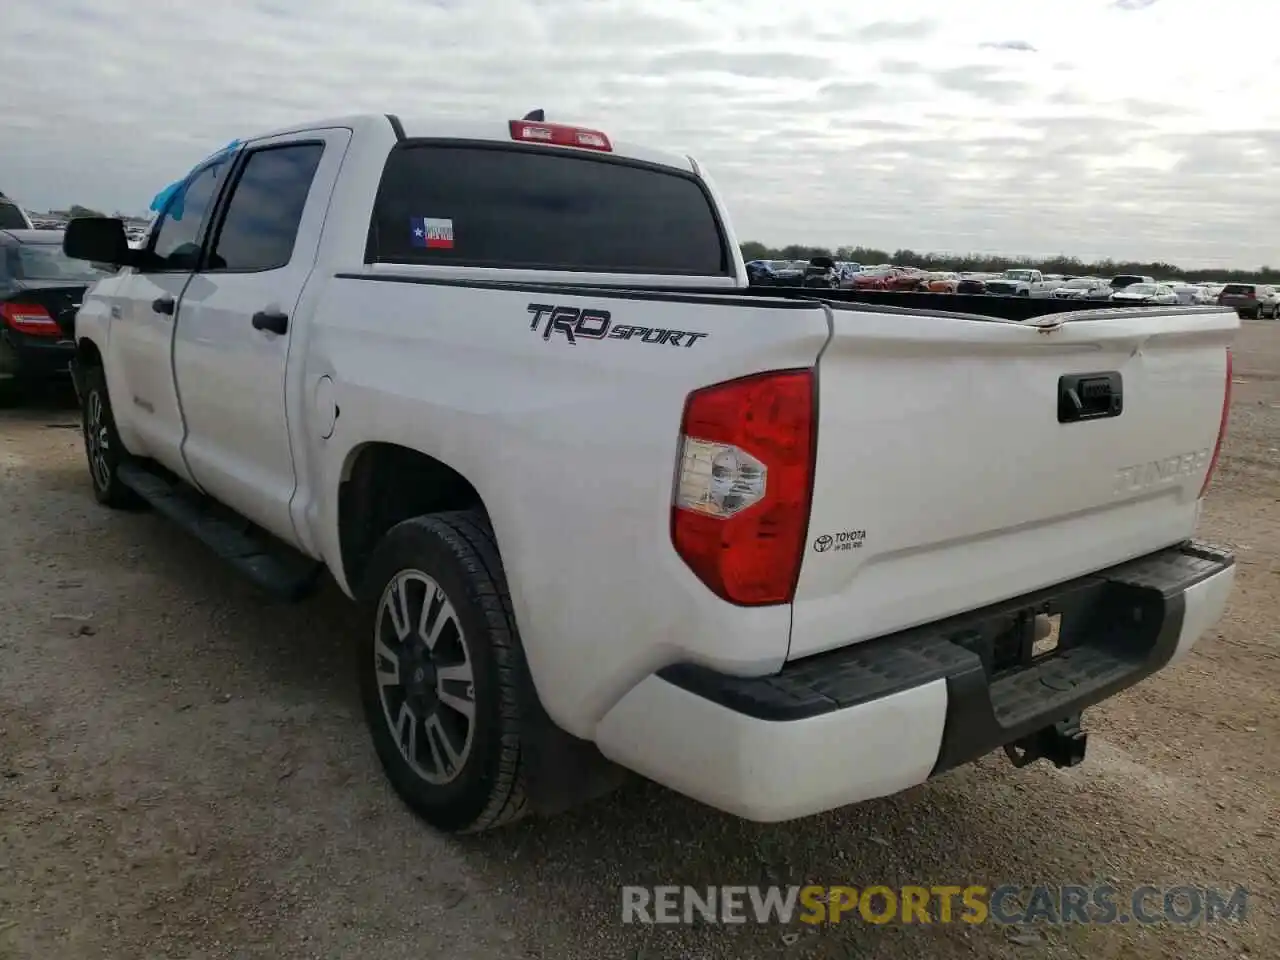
(1222, 428)
(30, 318)
(560, 135)
(744, 484)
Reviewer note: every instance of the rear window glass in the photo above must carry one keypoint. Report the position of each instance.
(1238, 288)
(11, 217)
(46, 261)
(516, 208)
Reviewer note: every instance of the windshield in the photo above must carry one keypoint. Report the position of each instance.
(1238, 288)
(1146, 289)
(1081, 283)
(1017, 274)
(46, 261)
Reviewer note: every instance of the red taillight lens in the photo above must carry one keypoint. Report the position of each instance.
(30, 318)
(744, 484)
(1222, 428)
(560, 135)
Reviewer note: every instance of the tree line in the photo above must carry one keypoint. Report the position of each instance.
(985, 263)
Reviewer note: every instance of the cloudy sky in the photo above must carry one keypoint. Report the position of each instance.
(1125, 128)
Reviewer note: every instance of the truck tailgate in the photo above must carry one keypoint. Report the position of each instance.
(945, 479)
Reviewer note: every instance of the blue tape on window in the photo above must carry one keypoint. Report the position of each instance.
(178, 187)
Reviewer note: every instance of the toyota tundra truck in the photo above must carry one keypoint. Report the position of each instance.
(606, 509)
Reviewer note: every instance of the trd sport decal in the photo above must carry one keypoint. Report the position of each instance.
(587, 323)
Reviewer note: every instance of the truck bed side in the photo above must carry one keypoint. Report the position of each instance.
(570, 444)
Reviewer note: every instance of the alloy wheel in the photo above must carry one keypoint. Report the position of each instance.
(97, 441)
(424, 674)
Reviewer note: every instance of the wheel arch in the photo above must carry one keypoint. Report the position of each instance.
(383, 483)
(88, 353)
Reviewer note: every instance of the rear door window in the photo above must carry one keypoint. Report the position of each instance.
(538, 209)
(261, 223)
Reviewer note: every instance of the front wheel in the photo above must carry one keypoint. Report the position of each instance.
(441, 672)
(102, 445)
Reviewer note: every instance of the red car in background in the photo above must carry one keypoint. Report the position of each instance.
(887, 278)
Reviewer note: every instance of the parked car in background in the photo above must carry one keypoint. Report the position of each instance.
(41, 288)
(1251, 300)
(1120, 281)
(1082, 288)
(872, 278)
(904, 278)
(942, 282)
(821, 272)
(759, 272)
(971, 283)
(1021, 283)
(847, 270)
(1192, 294)
(777, 272)
(1146, 293)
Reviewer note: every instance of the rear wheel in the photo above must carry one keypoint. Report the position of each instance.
(441, 670)
(102, 445)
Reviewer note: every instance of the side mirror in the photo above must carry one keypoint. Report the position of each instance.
(98, 240)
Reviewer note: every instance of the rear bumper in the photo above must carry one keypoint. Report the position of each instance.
(34, 358)
(880, 716)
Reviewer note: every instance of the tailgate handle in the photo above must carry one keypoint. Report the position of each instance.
(1089, 396)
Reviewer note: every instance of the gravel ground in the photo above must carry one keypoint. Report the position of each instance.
(184, 773)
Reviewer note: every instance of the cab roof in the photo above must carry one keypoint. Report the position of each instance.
(493, 130)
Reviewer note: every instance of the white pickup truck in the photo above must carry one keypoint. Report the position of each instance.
(605, 508)
(1022, 283)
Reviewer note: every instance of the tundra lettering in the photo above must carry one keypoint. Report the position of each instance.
(1140, 476)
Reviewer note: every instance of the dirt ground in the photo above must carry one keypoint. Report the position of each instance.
(184, 773)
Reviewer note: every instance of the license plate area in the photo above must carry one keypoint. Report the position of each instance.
(1017, 639)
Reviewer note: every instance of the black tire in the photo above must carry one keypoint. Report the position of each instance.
(103, 450)
(486, 788)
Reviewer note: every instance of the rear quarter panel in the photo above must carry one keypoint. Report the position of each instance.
(572, 447)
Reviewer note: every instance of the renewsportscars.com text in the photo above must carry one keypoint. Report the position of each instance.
(973, 904)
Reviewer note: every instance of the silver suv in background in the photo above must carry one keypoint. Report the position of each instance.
(1252, 301)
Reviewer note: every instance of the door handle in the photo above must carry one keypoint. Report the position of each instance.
(164, 305)
(272, 321)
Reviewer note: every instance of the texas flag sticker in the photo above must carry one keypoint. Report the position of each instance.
(431, 234)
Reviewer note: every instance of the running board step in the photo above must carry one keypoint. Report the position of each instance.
(273, 566)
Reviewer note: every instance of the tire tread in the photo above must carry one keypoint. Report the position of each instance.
(470, 539)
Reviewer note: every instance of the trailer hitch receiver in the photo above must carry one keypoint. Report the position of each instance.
(1063, 744)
